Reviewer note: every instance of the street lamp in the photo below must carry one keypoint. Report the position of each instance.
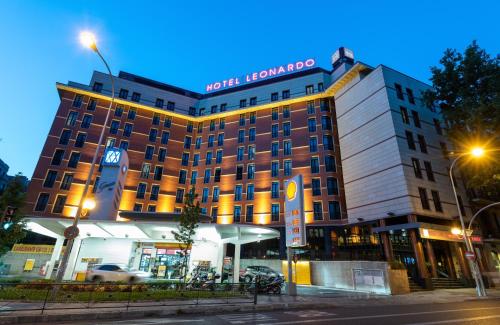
(481, 291)
(88, 40)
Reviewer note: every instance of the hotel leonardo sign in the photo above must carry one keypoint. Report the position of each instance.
(294, 212)
(261, 75)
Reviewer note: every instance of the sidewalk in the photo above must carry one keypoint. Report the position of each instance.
(264, 303)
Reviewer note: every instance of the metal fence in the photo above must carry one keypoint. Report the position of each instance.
(15, 297)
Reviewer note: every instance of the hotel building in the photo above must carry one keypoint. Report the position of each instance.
(372, 155)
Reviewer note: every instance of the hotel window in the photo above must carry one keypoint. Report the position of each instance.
(110, 143)
(324, 105)
(50, 178)
(189, 127)
(218, 157)
(313, 144)
(437, 201)
(127, 129)
(123, 93)
(179, 195)
(177, 210)
(327, 142)
(250, 171)
(275, 168)
(168, 122)
(153, 133)
(222, 122)
(93, 103)
(113, 129)
(250, 191)
(332, 186)
(251, 152)
(206, 177)
(210, 141)
(223, 107)
(318, 211)
(334, 210)
(423, 198)
(316, 186)
(97, 87)
(155, 190)
(253, 101)
(240, 153)
(42, 201)
(162, 154)
(65, 136)
(132, 112)
(275, 149)
(136, 97)
(239, 172)
(274, 131)
(274, 114)
(196, 159)
(310, 107)
(275, 212)
(444, 150)
(214, 213)
(171, 106)
(137, 207)
(311, 124)
(220, 139)
(204, 195)
(437, 126)
(411, 98)
(326, 123)
(158, 173)
(243, 103)
(215, 194)
(416, 167)
(197, 144)
(314, 165)
(320, 86)
(71, 120)
(410, 140)
(141, 191)
(74, 158)
(274, 97)
(185, 159)
(80, 140)
(399, 91)
(66, 181)
(159, 102)
(194, 176)
(251, 134)
(213, 109)
(57, 158)
(59, 204)
(404, 115)
(200, 127)
(124, 145)
(309, 89)
(428, 171)
(145, 170)
(182, 176)
(187, 142)
(77, 101)
(422, 144)
(287, 128)
(238, 189)
(285, 94)
(249, 214)
(287, 167)
(151, 208)
(148, 155)
(416, 118)
(165, 136)
(217, 175)
(241, 136)
(212, 125)
(330, 164)
(208, 158)
(286, 111)
(287, 147)
(242, 119)
(275, 190)
(237, 214)
(119, 111)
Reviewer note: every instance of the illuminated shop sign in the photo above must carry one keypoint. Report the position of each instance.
(261, 75)
(294, 212)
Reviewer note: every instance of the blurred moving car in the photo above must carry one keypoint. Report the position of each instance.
(112, 272)
(247, 274)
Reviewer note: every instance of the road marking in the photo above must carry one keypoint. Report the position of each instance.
(378, 316)
(472, 319)
(246, 318)
(158, 321)
(309, 313)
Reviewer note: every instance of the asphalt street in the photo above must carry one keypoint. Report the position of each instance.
(471, 312)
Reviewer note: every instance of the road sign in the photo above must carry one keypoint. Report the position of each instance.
(470, 255)
(71, 232)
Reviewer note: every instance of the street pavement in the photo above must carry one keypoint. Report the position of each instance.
(471, 312)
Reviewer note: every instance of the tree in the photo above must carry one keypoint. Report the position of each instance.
(467, 90)
(13, 196)
(188, 222)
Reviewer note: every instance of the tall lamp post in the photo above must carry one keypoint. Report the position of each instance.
(481, 291)
(88, 40)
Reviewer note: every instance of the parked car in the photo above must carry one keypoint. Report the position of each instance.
(247, 274)
(112, 272)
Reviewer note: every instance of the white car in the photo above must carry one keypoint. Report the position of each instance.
(111, 272)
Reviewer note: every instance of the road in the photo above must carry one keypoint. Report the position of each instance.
(472, 312)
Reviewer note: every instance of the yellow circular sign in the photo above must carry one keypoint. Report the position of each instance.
(291, 190)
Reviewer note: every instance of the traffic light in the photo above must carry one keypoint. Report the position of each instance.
(7, 218)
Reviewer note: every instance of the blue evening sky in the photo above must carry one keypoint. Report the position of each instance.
(192, 43)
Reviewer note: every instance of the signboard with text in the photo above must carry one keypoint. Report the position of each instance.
(294, 212)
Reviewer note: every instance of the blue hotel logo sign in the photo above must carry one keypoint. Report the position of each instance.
(112, 157)
(294, 212)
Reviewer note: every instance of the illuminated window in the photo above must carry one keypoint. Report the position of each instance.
(153, 133)
(237, 213)
(275, 168)
(275, 212)
(86, 121)
(275, 190)
(311, 124)
(249, 214)
(287, 168)
(110, 142)
(287, 147)
(208, 158)
(65, 136)
(156, 119)
(145, 170)
(237, 192)
(316, 186)
(50, 178)
(250, 191)
(127, 130)
(318, 211)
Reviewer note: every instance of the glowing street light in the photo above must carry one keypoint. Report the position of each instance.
(456, 231)
(89, 204)
(477, 152)
(88, 40)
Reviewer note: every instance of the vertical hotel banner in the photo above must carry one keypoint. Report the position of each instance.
(294, 212)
